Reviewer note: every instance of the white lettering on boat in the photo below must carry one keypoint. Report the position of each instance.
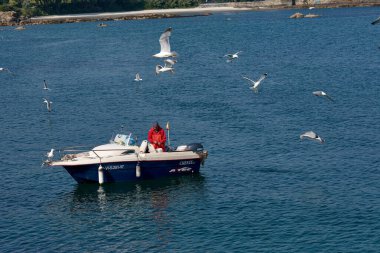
(186, 162)
(183, 169)
(114, 167)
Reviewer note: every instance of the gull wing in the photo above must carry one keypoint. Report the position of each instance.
(46, 85)
(376, 21)
(169, 63)
(164, 40)
(322, 94)
(329, 98)
(158, 68)
(47, 101)
(261, 78)
(248, 79)
(309, 134)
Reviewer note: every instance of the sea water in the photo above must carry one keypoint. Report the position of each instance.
(262, 189)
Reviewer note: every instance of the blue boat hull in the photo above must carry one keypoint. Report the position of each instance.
(126, 171)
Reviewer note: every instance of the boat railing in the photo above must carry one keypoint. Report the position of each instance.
(72, 150)
(69, 153)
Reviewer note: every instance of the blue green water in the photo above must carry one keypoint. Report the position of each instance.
(261, 189)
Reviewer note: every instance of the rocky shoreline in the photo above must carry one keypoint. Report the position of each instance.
(76, 20)
(12, 18)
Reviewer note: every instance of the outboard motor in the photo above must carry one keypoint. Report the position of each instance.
(195, 147)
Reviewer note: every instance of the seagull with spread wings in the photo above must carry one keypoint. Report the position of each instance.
(50, 154)
(48, 104)
(320, 93)
(167, 67)
(138, 78)
(231, 57)
(165, 45)
(255, 84)
(312, 136)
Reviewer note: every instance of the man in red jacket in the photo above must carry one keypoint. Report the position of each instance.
(157, 136)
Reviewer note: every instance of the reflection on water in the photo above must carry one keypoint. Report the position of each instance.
(153, 194)
(93, 192)
(102, 198)
(160, 204)
(142, 208)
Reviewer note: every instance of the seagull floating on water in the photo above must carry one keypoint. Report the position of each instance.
(312, 136)
(255, 84)
(48, 104)
(376, 21)
(231, 57)
(167, 67)
(165, 45)
(19, 28)
(320, 93)
(138, 78)
(46, 86)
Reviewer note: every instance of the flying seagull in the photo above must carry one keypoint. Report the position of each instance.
(48, 104)
(167, 67)
(50, 154)
(5, 70)
(320, 93)
(165, 45)
(170, 62)
(312, 136)
(138, 78)
(376, 21)
(46, 86)
(231, 57)
(255, 84)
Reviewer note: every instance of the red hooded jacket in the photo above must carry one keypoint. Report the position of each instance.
(158, 139)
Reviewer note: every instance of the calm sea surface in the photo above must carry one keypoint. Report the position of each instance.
(261, 189)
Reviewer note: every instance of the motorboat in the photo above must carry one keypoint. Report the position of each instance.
(122, 160)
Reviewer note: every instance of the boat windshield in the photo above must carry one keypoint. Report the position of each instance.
(124, 139)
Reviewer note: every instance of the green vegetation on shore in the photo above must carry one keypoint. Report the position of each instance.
(29, 8)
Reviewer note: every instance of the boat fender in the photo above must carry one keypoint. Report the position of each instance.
(101, 174)
(143, 146)
(138, 170)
